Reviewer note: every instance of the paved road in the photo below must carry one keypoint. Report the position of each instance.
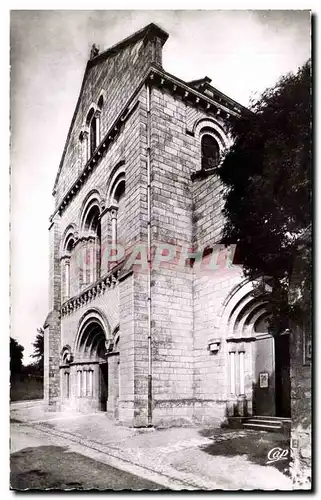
(38, 462)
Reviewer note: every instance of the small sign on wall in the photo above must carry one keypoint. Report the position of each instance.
(264, 380)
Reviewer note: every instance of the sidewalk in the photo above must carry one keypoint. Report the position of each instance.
(199, 458)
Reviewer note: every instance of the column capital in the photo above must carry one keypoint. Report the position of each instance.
(65, 258)
(83, 134)
(113, 210)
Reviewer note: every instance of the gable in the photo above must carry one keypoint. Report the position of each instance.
(115, 74)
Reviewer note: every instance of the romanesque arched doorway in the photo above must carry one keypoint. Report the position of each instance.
(90, 369)
(258, 377)
(90, 362)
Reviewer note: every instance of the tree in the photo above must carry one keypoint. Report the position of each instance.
(16, 356)
(38, 346)
(267, 173)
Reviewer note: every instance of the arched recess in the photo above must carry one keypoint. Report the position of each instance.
(101, 101)
(90, 360)
(241, 311)
(117, 171)
(66, 355)
(68, 259)
(92, 335)
(70, 231)
(116, 203)
(215, 128)
(90, 230)
(213, 142)
(258, 364)
(92, 126)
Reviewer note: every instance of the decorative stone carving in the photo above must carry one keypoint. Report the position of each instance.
(94, 51)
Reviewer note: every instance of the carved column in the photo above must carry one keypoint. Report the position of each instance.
(84, 264)
(85, 146)
(105, 240)
(113, 210)
(91, 248)
(65, 278)
(97, 118)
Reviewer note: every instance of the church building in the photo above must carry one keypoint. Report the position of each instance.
(151, 319)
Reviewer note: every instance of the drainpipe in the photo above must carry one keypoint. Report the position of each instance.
(149, 300)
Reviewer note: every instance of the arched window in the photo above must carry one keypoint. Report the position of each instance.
(210, 152)
(69, 248)
(93, 124)
(84, 147)
(101, 102)
(91, 229)
(117, 205)
(93, 135)
(68, 268)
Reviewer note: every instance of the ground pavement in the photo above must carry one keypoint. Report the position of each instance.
(185, 458)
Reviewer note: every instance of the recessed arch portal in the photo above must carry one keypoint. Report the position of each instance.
(93, 332)
(257, 362)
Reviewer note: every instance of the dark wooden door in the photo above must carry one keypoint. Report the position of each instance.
(103, 386)
(282, 376)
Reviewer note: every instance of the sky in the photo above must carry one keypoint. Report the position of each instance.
(243, 52)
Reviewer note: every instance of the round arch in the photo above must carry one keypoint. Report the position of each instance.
(92, 333)
(69, 234)
(212, 127)
(91, 110)
(240, 310)
(66, 354)
(117, 175)
(93, 199)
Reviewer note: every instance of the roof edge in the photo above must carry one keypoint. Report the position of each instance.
(149, 31)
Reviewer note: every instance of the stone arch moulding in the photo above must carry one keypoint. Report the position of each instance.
(212, 127)
(239, 302)
(93, 315)
(102, 96)
(66, 354)
(91, 110)
(92, 198)
(112, 343)
(116, 334)
(71, 231)
(117, 171)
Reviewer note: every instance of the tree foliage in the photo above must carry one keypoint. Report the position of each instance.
(268, 209)
(38, 350)
(16, 357)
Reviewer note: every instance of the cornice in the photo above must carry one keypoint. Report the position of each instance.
(110, 280)
(97, 156)
(222, 106)
(158, 77)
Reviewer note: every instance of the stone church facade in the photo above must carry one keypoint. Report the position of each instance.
(150, 320)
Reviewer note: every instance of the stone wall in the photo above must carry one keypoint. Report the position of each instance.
(118, 76)
(188, 383)
(52, 332)
(300, 410)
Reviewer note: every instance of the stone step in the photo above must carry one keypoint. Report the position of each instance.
(266, 421)
(269, 417)
(262, 427)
